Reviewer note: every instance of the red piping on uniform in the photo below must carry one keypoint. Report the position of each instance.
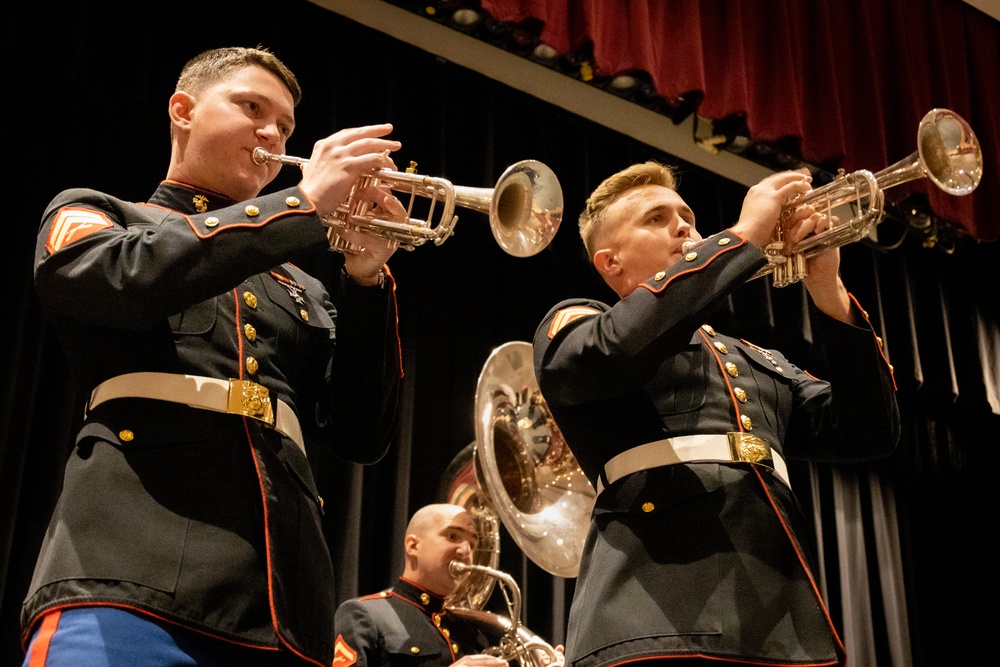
(696, 268)
(770, 499)
(802, 561)
(395, 312)
(267, 551)
(878, 345)
(263, 497)
(239, 334)
(725, 376)
(144, 612)
(40, 649)
(241, 225)
(390, 594)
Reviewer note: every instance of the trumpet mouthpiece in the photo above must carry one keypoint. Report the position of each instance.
(688, 246)
(260, 156)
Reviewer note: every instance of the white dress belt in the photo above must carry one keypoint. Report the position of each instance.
(239, 397)
(716, 447)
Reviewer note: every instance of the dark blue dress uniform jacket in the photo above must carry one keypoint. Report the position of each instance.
(404, 626)
(703, 558)
(202, 518)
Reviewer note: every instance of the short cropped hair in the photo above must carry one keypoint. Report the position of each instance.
(211, 66)
(611, 189)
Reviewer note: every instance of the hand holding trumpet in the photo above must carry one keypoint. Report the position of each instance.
(328, 177)
(762, 207)
(771, 203)
(340, 159)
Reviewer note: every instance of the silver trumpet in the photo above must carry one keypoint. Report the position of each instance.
(947, 152)
(525, 207)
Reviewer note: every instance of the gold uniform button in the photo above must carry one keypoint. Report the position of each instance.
(305, 314)
(454, 648)
(251, 211)
(292, 202)
(211, 221)
(446, 633)
(721, 347)
(426, 599)
(690, 257)
(414, 650)
(320, 502)
(707, 328)
(251, 365)
(648, 507)
(747, 422)
(741, 395)
(732, 370)
(250, 332)
(725, 240)
(250, 299)
(780, 369)
(126, 435)
(660, 275)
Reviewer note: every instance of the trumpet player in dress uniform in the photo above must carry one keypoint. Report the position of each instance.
(409, 623)
(697, 552)
(189, 526)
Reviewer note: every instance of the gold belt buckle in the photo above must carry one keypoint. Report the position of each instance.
(250, 400)
(750, 449)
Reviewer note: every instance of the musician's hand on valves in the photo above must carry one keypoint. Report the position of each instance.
(763, 205)
(822, 278)
(560, 657)
(341, 159)
(364, 265)
(480, 660)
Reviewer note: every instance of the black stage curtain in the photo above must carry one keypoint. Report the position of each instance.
(902, 564)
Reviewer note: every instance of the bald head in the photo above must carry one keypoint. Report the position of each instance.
(436, 535)
(429, 516)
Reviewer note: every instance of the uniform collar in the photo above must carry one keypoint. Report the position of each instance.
(421, 597)
(188, 199)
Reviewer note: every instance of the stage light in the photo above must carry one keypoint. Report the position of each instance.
(465, 20)
(543, 54)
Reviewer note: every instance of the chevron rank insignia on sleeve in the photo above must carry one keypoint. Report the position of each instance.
(73, 224)
(567, 315)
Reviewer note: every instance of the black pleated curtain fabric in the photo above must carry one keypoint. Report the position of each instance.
(898, 540)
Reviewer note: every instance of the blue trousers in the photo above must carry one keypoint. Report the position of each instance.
(110, 637)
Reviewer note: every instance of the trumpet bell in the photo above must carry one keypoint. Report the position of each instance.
(949, 152)
(530, 475)
(525, 207)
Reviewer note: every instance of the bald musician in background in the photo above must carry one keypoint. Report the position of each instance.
(697, 551)
(410, 621)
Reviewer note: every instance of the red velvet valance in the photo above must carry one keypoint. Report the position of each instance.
(849, 79)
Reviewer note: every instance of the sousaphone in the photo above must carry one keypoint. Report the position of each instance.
(519, 469)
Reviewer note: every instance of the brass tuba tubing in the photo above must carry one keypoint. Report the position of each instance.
(947, 152)
(516, 642)
(525, 206)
